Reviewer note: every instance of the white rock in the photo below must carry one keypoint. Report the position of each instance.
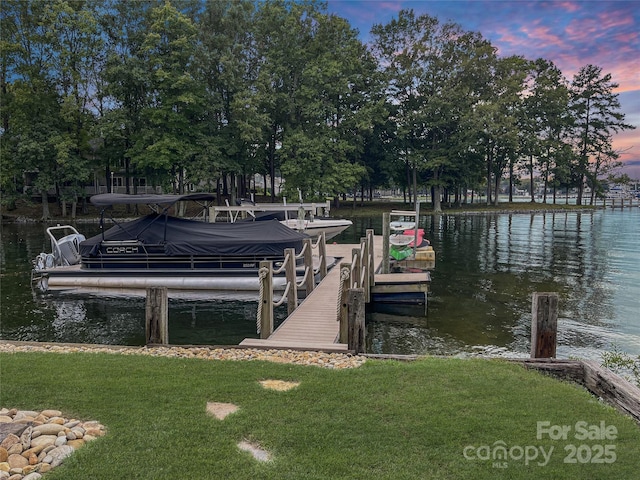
(58, 454)
(32, 476)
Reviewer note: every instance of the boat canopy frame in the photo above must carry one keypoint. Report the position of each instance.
(159, 203)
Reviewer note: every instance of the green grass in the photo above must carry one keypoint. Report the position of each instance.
(384, 420)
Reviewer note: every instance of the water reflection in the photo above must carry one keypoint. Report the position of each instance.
(487, 268)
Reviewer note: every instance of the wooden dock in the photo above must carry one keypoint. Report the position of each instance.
(314, 324)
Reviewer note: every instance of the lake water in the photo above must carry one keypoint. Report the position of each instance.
(487, 268)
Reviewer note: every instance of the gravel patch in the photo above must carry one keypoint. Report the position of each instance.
(319, 359)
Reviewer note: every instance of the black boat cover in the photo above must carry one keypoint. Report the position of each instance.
(181, 236)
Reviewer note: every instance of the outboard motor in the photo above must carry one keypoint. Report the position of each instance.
(68, 249)
(65, 251)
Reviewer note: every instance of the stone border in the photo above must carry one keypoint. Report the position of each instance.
(298, 357)
(33, 443)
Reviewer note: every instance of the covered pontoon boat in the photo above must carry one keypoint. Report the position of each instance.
(162, 250)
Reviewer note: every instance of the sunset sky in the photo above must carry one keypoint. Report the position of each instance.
(569, 33)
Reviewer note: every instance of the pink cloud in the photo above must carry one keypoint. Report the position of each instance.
(614, 19)
(627, 37)
(543, 35)
(570, 7)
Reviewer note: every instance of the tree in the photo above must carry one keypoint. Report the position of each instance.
(311, 97)
(545, 121)
(430, 71)
(226, 64)
(338, 109)
(595, 109)
(124, 92)
(496, 119)
(171, 115)
(31, 111)
(75, 44)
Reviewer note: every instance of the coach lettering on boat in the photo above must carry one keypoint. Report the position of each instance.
(121, 249)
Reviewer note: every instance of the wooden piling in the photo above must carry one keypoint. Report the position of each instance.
(372, 260)
(322, 253)
(157, 316)
(290, 271)
(309, 282)
(544, 325)
(356, 320)
(386, 232)
(266, 297)
(356, 267)
(364, 267)
(345, 285)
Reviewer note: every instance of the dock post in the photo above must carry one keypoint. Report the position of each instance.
(356, 320)
(157, 316)
(372, 260)
(345, 284)
(322, 253)
(356, 267)
(310, 281)
(265, 308)
(386, 232)
(544, 325)
(364, 265)
(290, 271)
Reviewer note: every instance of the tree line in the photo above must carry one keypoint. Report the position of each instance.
(212, 92)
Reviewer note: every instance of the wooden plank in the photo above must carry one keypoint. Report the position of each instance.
(612, 388)
(399, 278)
(622, 394)
(294, 345)
(400, 288)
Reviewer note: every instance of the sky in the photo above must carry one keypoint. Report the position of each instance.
(570, 33)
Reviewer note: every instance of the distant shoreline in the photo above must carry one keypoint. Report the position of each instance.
(32, 213)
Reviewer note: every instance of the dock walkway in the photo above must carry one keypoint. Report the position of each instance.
(314, 324)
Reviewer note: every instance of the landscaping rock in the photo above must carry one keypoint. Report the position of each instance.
(32, 476)
(59, 454)
(44, 440)
(27, 452)
(49, 429)
(10, 430)
(17, 461)
(319, 359)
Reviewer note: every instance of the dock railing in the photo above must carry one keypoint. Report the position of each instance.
(356, 279)
(266, 302)
(621, 203)
(233, 213)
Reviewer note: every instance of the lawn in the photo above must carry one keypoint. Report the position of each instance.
(433, 418)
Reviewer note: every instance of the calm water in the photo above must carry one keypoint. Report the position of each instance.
(487, 268)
